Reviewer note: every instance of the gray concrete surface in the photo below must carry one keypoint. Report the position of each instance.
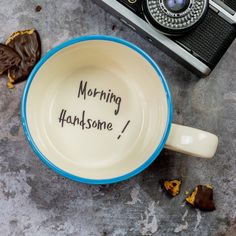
(36, 201)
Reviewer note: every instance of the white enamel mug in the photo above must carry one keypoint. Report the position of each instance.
(97, 109)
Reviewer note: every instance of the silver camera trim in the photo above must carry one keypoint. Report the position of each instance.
(224, 11)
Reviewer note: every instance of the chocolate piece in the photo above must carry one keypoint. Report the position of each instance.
(202, 198)
(27, 45)
(38, 8)
(172, 187)
(8, 58)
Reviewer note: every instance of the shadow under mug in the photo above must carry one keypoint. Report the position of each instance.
(97, 109)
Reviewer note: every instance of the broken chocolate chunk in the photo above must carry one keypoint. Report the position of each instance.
(172, 187)
(38, 8)
(202, 198)
(8, 58)
(27, 45)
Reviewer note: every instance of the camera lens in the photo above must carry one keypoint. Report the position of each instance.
(176, 6)
(175, 17)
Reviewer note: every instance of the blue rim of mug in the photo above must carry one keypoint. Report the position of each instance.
(75, 177)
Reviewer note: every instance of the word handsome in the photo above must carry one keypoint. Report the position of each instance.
(84, 123)
(108, 96)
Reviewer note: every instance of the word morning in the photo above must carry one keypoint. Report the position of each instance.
(106, 96)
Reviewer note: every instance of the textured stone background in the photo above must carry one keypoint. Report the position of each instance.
(36, 201)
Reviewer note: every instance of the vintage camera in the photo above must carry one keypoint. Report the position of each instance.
(196, 33)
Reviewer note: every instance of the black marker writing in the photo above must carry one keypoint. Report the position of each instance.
(108, 97)
(123, 130)
(84, 123)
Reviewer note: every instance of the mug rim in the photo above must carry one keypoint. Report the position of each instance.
(68, 175)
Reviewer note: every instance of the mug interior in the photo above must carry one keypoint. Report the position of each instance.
(97, 110)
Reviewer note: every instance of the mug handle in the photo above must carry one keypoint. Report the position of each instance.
(190, 141)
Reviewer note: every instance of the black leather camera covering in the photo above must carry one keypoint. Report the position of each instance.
(208, 41)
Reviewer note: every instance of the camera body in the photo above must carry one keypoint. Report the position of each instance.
(195, 33)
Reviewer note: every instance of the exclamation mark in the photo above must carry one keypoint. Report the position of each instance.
(124, 129)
